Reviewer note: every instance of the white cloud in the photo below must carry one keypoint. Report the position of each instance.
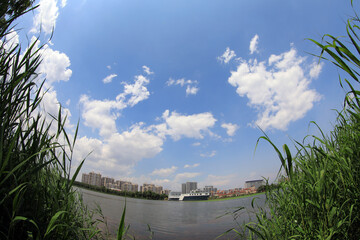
(45, 17)
(191, 126)
(63, 3)
(315, 69)
(191, 90)
(108, 67)
(227, 55)
(280, 94)
(11, 40)
(191, 85)
(186, 176)
(55, 65)
(230, 128)
(220, 181)
(147, 70)
(254, 44)
(192, 166)
(109, 78)
(101, 114)
(119, 152)
(196, 144)
(208, 155)
(137, 91)
(164, 172)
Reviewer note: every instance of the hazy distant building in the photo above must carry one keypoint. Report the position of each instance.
(188, 186)
(151, 187)
(210, 189)
(95, 179)
(254, 183)
(183, 188)
(119, 184)
(85, 178)
(130, 187)
(105, 181)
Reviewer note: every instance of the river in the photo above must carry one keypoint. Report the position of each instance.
(172, 219)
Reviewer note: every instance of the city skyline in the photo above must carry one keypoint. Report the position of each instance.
(174, 91)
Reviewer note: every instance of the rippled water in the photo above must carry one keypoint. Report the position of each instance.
(171, 219)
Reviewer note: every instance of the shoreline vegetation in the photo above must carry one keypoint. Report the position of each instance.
(151, 195)
(318, 198)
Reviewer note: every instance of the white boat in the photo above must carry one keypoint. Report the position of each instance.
(194, 195)
(174, 196)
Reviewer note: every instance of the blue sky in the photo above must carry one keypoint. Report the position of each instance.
(173, 91)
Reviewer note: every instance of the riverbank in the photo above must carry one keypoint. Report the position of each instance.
(149, 195)
(116, 193)
(231, 198)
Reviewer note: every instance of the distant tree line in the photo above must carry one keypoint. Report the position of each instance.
(143, 195)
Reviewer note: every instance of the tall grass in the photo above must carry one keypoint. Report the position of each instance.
(37, 200)
(320, 196)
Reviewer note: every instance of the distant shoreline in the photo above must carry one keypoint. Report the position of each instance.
(209, 200)
(231, 198)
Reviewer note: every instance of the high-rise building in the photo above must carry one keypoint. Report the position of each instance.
(85, 178)
(183, 188)
(191, 186)
(188, 186)
(95, 179)
(210, 189)
(106, 180)
(151, 187)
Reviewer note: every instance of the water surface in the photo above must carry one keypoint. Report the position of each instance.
(172, 219)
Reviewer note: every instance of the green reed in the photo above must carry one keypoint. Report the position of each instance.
(319, 194)
(37, 200)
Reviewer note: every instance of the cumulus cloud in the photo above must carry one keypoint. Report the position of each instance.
(191, 85)
(120, 151)
(55, 65)
(101, 114)
(254, 44)
(278, 90)
(196, 144)
(137, 91)
(109, 78)
(227, 56)
(315, 69)
(192, 166)
(147, 70)
(230, 128)
(191, 126)
(46, 15)
(164, 172)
